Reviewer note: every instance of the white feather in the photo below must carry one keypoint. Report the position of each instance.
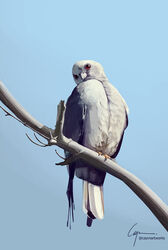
(93, 199)
(96, 202)
(85, 197)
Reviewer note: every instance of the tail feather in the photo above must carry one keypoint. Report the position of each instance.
(89, 222)
(93, 204)
(96, 200)
(85, 197)
(71, 205)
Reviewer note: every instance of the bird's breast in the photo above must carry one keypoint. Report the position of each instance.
(96, 121)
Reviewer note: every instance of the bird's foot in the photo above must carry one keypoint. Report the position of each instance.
(105, 155)
(99, 153)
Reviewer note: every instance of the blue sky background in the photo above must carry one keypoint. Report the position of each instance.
(39, 43)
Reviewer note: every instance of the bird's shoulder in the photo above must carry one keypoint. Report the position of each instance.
(74, 97)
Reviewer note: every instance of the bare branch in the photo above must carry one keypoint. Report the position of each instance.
(9, 114)
(10, 102)
(60, 119)
(56, 137)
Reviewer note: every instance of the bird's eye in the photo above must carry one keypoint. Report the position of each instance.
(75, 76)
(87, 66)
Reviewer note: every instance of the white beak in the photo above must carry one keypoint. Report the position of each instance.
(83, 75)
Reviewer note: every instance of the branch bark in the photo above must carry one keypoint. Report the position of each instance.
(56, 137)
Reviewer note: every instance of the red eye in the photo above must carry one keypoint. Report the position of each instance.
(87, 66)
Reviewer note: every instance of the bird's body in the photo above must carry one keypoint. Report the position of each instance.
(96, 117)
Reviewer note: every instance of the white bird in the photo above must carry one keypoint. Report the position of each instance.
(96, 117)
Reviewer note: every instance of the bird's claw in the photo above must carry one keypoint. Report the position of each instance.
(100, 153)
(105, 155)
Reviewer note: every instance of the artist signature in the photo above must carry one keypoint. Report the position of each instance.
(135, 234)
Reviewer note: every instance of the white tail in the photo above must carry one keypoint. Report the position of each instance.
(93, 199)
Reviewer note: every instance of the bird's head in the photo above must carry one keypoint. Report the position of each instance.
(86, 70)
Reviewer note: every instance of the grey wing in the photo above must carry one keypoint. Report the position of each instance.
(118, 119)
(73, 128)
(74, 117)
(120, 142)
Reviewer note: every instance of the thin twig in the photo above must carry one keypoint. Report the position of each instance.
(60, 155)
(40, 140)
(35, 142)
(69, 160)
(9, 114)
(42, 144)
(22, 122)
